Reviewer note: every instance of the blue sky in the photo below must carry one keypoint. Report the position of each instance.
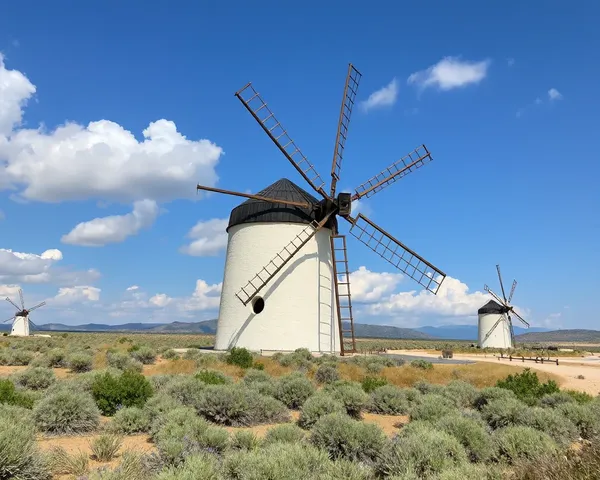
(503, 95)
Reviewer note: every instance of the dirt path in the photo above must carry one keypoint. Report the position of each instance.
(568, 369)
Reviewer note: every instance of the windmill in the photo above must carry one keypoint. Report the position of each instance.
(21, 320)
(273, 231)
(495, 322)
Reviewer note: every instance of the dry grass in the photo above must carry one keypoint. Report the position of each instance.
(170, 367)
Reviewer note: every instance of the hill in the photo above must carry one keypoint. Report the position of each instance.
(466, 332)
(557, 336)
(209, 327)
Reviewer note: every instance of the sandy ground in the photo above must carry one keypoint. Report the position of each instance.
(568, 368)
(6, 371)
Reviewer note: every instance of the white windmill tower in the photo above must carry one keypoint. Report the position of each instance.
(286, 281)
(21, 321)
(495, 322)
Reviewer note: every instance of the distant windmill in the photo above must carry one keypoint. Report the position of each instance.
(495, 322)
(21, 320)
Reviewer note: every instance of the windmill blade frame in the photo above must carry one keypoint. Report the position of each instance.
(512, 291)
(36, 307)
(395, 252)
(254, 197)
(9, 319)
(501, 284)
(275, 131)
(350, 90)
(397, 170)
(21, 297)
(12, 303)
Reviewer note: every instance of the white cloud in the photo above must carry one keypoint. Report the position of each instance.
(554, 94)
(369, 287)
(9, 291)
(208, 238)
(205, 297)
(34, 268)
(114, 228)
(133, 287)
(104, 161)
(450, 73)
(77, 294)
(384, 97)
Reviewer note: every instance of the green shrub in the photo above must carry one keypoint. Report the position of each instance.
(293, 390)
(66, 412)
(585, 418)
(425, 388)
(488, 394)
(389, 400)
(123, 362)
(16, 357)
(240, 356)
(461, 393)
(35, 378)
(170, 354)
(326, 373)
(527, 386)
(289, 433)
(342, 437)
(553, 400)
(557, 426)
(144, 354)
(56, 358)
(63, 463)
(431, 407)
(503, 413)
(178, 416)
(237, 405)
(421, 453)
(130, 420)
(200, 465)
(105, 447)
(80, 362)
(317, 406)
(579, 397)
(20, 458)
(422, 364)
(300, 359)
(370, 383)
(350, 395)
(523, 443)
(10, 396)
(212, 377)
(130, 389)
(471, 433)
(260, 381)
(244, 440)
(185, 389)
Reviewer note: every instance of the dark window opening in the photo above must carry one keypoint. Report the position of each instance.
(258, 305)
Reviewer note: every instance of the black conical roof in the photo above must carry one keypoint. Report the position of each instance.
(492, 307)
(254, 211)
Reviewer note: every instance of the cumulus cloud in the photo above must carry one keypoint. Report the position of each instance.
(132, 288)
(115, 228)
(77, 294)
(8, 291)
(450, 73)
(104, 160)
(208, 238)
(384, 97)
(554, 94)
(367, 286)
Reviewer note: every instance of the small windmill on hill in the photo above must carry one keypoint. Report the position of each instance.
(495, 322)
(274, 234)
(21, 320)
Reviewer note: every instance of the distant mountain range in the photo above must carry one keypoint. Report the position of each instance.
(362, 330)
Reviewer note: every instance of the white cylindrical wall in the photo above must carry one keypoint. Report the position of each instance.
(20, 327)
(500, 336)
(299, 310)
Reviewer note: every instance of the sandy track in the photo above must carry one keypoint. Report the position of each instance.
(568, 369)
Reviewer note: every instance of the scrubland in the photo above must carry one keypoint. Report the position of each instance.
(128, 407)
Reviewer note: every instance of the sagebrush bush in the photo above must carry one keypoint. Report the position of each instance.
(421, 452)
(185, 389)
(176, 416)
(123, 362)
(553, 400)
(301, 359)
(20, 458)
(159, 404)
(422, 364)
(503, 412)
(471, 434)
(212, 377)
(66, 412)
(35, 378)
(63, 463)
(56, 358)
(488, 394)
(130, 420)
(317, 406)
(343, 437)
(237, 405)
(289, 433)
(105, 447)
(260, 381)
(523, 443)
(244, 440)
(201, 465)
(170, 354)
(431, 407)
(350, 395)
(527, 386)
(293, 390)
(133, 466)
(425, 387)
(370, 383)
(144, 354)
(557, 426)
(130, 389)
(10, 396)
(584, 417)
(240, 356)
(389, 400)
(327, 373)
(80, 362)
(461, 393)
(16, 357)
